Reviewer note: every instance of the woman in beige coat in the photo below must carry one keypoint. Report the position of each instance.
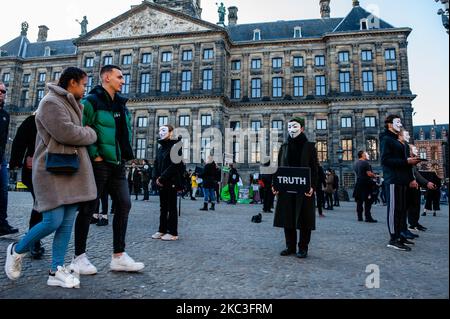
(59, 128)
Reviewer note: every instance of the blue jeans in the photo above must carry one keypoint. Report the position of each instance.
(210, 195)
(4, 181)
(59, 221)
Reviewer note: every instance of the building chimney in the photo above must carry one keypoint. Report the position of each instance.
(43, 33)
(325, 9)
(232, 15)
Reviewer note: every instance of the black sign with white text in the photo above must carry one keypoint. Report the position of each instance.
(296, 180)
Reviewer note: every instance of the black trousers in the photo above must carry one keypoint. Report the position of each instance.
(396, 197)
(329, 200)
(105, 204)
(413, 200)
(268, 198)
(291, 239)
(364, 205)
(111, 179)
(146, 191)
(320, 200)
(168, 222)
(231, 188)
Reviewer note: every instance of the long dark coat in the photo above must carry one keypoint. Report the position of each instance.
(294, 211)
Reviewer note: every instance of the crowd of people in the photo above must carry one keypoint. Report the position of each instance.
(96, 130)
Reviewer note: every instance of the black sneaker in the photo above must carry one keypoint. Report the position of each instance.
(302, 254)
(94, 220)
(396, 244)
(371, 220)
(8, 230)
(434, 214)
(421, 228)
(407, 242)
(287, 252)
(424, 214)
(102, 222)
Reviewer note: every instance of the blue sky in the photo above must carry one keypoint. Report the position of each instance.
(428, 43)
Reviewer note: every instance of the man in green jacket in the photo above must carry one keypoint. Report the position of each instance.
(105, 111)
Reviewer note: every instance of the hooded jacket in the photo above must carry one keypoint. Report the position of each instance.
(4, 127)
(169, 173)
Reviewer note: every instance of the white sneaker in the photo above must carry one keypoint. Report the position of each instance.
(63, 278)
(125, 263)
(13, 264)
(169, 237)
(83, 265)
(158, 235)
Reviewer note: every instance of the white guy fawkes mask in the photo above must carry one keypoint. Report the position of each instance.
(294, 129)
(406, 136)
(368, 156)
(414, 150)
(397, 125)
(163, 132)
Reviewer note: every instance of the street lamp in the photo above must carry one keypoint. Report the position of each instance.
(444, 13)
(340, 154)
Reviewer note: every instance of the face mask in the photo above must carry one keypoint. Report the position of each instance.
(163, 132)
(146, 167)
(294, 129)
(414, 150)
(368, 156)
(406, 136)
(397, 125)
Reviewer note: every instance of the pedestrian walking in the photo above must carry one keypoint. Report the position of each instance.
(363, 192)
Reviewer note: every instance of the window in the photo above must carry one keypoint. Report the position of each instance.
(256, 35)
(185, 120)
(347, 148)
(40, 95)
(423, 153)
(277, 87)
(346, 122)
(206, 120)
(372, 149)
(89, 63)
(24, 98)
(235, 89)
(6, 77)
(26, 78)
(186, 81)
(206, 148)
(298, 62)
(126, 85)
(364, 24)
(236, 65)
(56, 76)
(90, 84)
(146, 58)
(145, 83)
(207, 80)
(141, 148)
(368, 81)
(277, 125)
(165, 82)
(256, 64)
(320, 85)
(344, 57)
(344, 82)
(389, 54)
(142, 122)
(235, 125)
(298, 86)
(370, 121)
(320, 60)
(42, 77)
(277, 63)
(107, 60)
(166, 57)
(47, 51)
(255, 152)
(186, 152)
(321, 124)
(366, 55)
(127, 59)
(208, 54)
(163, 120)
(297, 32)
(236, 150)
(434, 153)
(256, 88)
(187, 55)
(322, 151)
(256, 126)
(391, 80)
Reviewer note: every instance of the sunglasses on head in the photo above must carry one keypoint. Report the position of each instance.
(3, 91)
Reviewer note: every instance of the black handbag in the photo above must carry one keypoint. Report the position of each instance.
(62, 164)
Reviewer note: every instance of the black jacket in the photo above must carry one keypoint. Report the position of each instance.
(209, 176)
(169, 173)
(394, 160)
(4, 128)
(234, 177)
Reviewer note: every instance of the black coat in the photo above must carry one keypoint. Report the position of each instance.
(169, 173)
(23, 146)
(4, 128)
(396, 169)
(294, 211)
(210, 176)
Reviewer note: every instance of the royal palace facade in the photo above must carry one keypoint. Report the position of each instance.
(343, 75)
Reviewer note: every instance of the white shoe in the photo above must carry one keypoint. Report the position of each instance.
(83, 265)
(169, 237)
(63, 278)
(158, 235)
(13, 264)
(125, 263)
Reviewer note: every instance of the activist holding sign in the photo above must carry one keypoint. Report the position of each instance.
(297, 211)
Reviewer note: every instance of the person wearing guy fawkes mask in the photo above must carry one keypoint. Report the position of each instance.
(397, 174)
(168, 179)
(297, 211)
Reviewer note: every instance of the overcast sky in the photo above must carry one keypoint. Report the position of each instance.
(428, 43)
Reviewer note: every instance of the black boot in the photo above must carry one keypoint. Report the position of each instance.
(213, 206)
(205, 207)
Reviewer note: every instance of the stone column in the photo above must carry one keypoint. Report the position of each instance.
(197, 72)
(267, 75)
(310, 85)
(154, 80)
(378, 76)
(356, 71)
(245, 73)
(359, 131)
(404, 69)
